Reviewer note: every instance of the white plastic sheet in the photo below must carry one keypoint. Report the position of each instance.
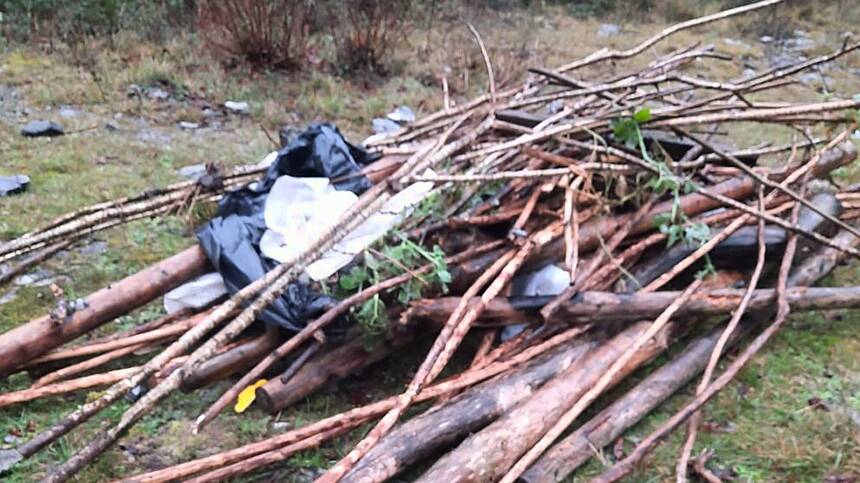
(195, 294)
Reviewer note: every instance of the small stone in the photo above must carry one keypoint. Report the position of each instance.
(9, 296)
(66, 111)
(36, 278)
(188, 125)
(111, 126)
(193, 171)
(238, 107)
(402, 114)
(383, 125)
(10, 185)
(608, 30)
(35, 129)
(765, 39)
(157, 94)
(11, 439)
(95, 248)
(281, 426)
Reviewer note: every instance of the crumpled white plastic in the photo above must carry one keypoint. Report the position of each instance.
(195, 294)
(299, 210)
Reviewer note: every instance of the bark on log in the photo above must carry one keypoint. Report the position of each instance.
(442, 427)
(335, 364)
(576, 449)
(64, 387)
(601, 430)
(487, 455)
(40, 335)
(590, 307)
(233, 360)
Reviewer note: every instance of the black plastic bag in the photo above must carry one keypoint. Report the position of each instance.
(232, 239)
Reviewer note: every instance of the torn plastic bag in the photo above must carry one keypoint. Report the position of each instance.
(232, 239)
(547, 281)
(299, 210)
(320, 151)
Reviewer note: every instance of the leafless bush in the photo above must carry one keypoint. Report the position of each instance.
(263, 33)
(368, 31)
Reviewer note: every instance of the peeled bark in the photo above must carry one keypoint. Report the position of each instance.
(40, 335)
(487, 455)
(442, 427)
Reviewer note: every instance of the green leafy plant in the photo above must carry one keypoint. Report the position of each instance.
(675, 224)
(391, 261)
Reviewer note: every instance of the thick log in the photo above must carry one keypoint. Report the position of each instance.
(442, 427)
(40, 335)
(590, 307)
(335, 364)
(487, 455)
(233, 360)
(601, 430)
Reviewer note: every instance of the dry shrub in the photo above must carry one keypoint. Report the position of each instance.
(368, 31)
(262, 33)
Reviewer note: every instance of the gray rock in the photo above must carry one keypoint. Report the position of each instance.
(238, 107)
(35, 129)
(10, 185)
(66, 111)
(188, 125)
(403, 114)
(95, 248)
(11, 439)
(608, 30)
(382, 125)
(737, 43)
(800, 44)
(157, 93)
(193, 171)
(153, 136)
(37, 278)
(9, 296)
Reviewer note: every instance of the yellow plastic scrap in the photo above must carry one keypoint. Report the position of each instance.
(247, 396)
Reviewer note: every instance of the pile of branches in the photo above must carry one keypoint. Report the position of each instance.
(625, 186)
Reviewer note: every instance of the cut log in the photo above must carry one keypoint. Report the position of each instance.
(442, 427)
(40, 335)
(487, 455)
(335, 364)
(601, 430)
(233, 360)
(590, 307)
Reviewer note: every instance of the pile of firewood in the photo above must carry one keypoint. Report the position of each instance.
(665, 235)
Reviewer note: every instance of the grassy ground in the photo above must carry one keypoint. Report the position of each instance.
(763, 426)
